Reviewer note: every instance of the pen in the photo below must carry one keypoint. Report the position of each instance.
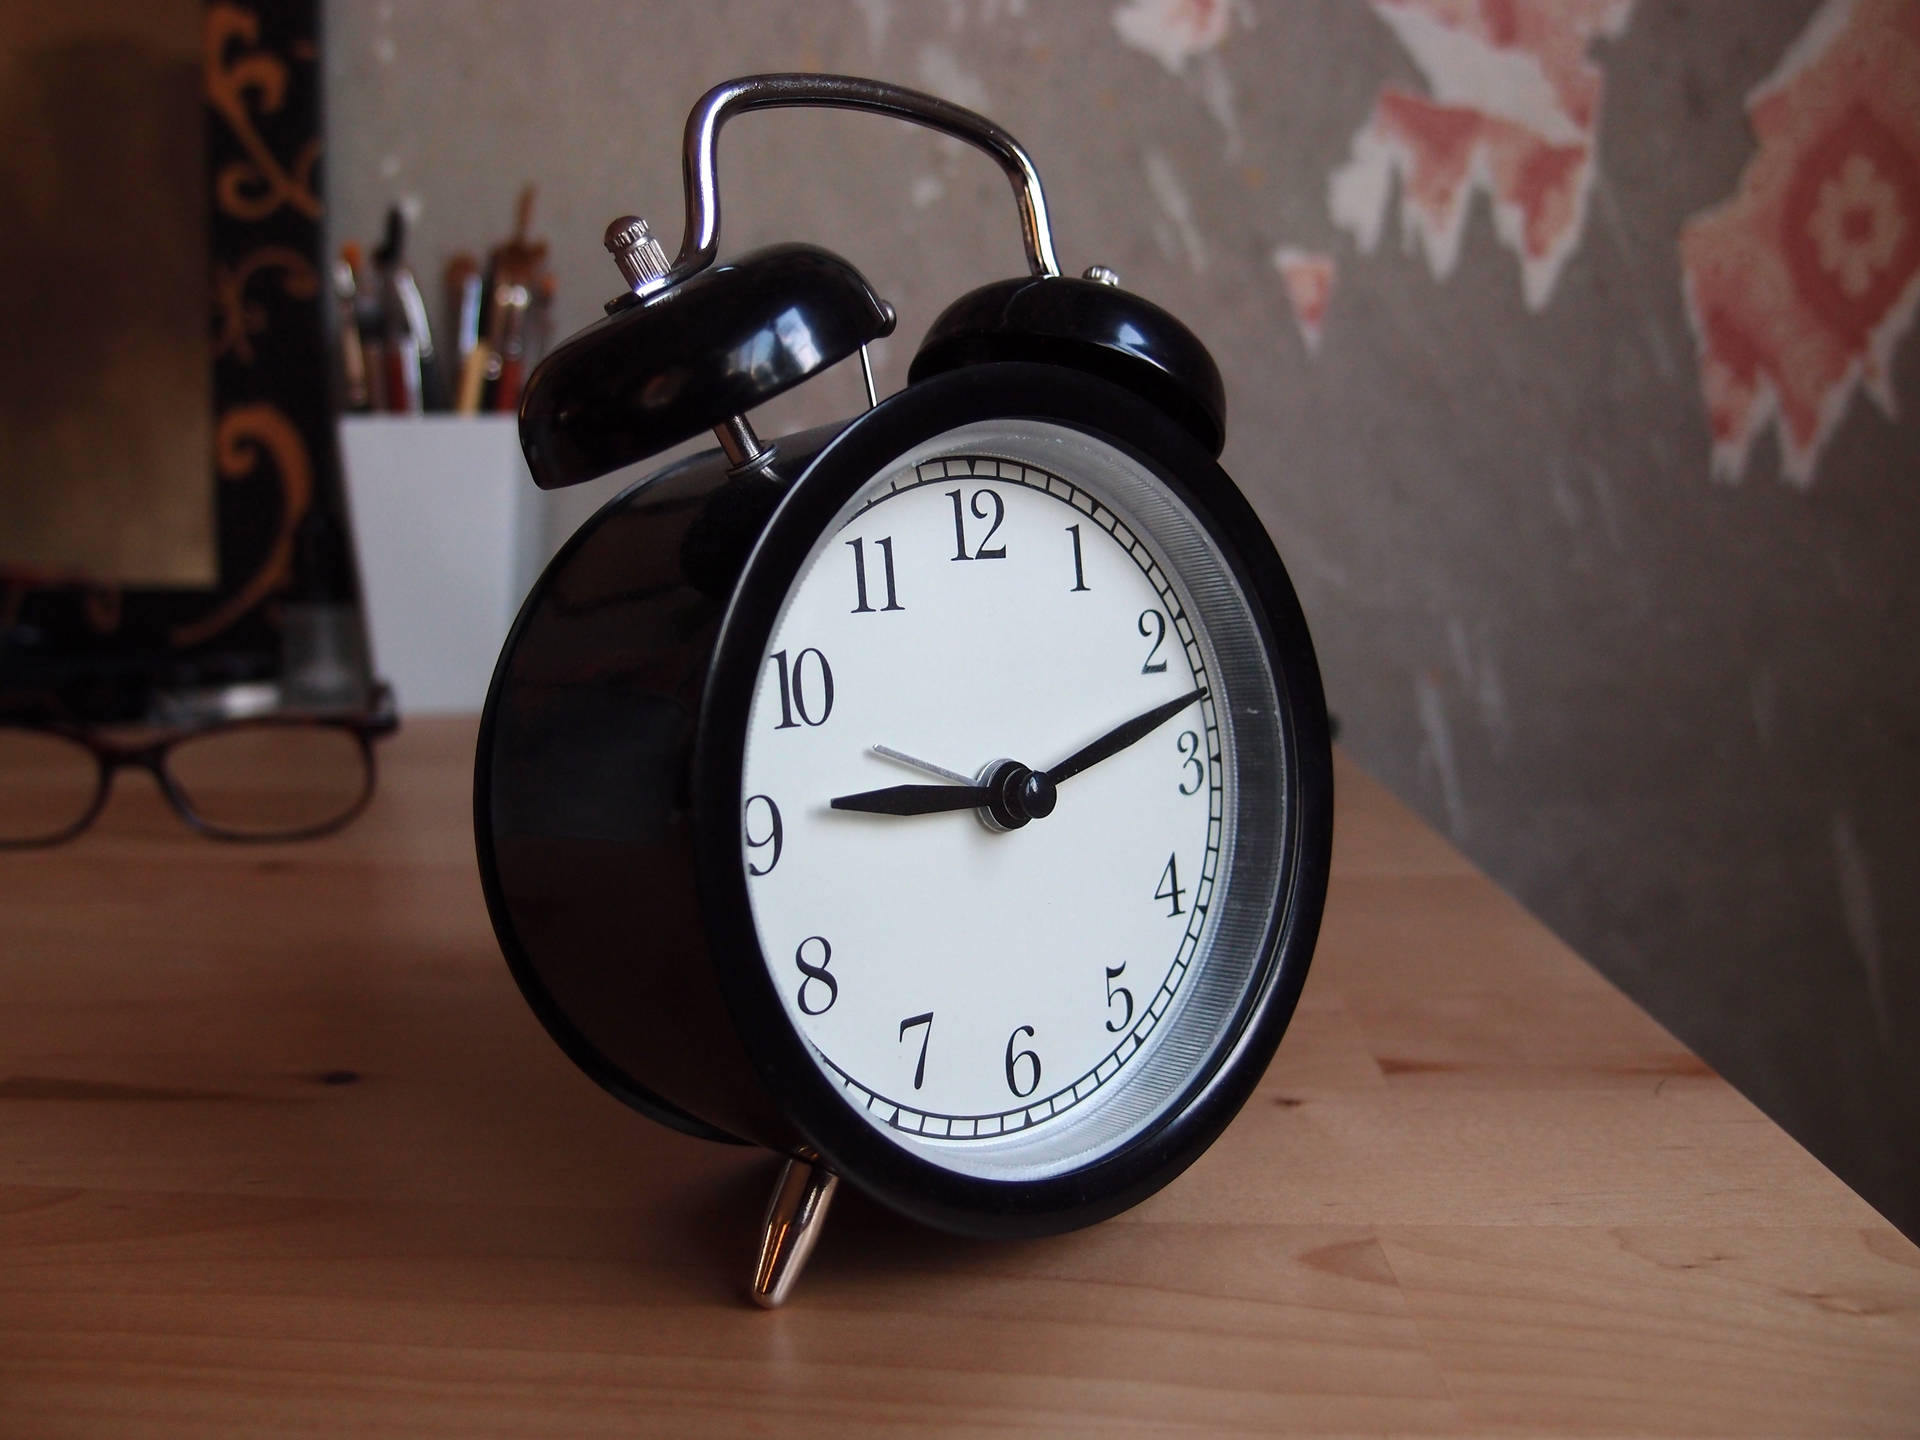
(353, 361)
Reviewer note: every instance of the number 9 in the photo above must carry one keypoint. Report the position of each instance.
(773, 835)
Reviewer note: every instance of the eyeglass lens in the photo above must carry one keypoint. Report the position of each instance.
(48, 783)
(266, 780)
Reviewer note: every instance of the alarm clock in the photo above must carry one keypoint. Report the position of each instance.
(942, 798)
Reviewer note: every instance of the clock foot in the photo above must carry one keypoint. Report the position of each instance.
(799, 1204)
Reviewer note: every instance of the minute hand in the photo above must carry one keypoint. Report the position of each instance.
(1121, 736)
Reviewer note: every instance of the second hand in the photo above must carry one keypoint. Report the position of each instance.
(902, 758)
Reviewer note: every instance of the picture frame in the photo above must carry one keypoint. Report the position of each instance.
(286, 577)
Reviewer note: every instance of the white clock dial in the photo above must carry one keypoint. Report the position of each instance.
(970, 986)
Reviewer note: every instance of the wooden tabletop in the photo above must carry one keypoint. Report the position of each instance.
(283, 1152)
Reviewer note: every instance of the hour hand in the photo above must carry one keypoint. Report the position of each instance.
(914, 799)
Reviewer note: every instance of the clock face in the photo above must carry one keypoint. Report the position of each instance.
(1013, 800)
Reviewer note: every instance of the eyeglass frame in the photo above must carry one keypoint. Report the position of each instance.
(380, 719)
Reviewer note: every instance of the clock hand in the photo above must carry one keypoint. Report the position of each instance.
(1013, 794)
(902, 758)
(915, 799)
(1121, 736)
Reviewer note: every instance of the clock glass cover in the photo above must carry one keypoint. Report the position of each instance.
(1016, 989)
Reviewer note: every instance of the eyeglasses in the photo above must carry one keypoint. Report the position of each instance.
(270, 777)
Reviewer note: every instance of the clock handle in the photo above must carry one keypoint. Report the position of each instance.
(794, 1214)
(701, 240)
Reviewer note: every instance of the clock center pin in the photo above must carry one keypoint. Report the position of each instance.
(1020, 794)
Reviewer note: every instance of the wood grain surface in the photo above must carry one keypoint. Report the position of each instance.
(282, 1152)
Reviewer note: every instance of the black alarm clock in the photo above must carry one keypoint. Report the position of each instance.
(943, 798)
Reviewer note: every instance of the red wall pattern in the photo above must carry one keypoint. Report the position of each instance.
(1801, 285)
(1514, 110)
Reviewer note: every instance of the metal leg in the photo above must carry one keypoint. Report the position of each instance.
(799, 1204)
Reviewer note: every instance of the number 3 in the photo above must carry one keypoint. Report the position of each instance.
(1189, 747)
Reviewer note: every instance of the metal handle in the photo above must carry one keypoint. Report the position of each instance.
(843, 92)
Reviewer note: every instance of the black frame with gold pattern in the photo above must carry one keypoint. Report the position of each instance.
(95, 651)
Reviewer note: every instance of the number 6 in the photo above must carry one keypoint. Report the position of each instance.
(1013, 1060)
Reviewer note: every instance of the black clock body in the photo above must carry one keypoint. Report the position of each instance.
(608, 796)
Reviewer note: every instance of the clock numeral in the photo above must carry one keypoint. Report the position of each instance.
(794, 690)
(773, 835)
(885, 546)
(1189, 747)
(919, 1070)
(981, 552)
(1153, 626)
(1013, 1064)
(1118, 992)
(1079, 572)
(1170, 889)
(815, 975)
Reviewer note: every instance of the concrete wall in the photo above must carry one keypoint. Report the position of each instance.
(1646, 652)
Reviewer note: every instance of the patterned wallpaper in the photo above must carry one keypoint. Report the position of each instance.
(1799, 285)
(1803, 282)
(1569, 361)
